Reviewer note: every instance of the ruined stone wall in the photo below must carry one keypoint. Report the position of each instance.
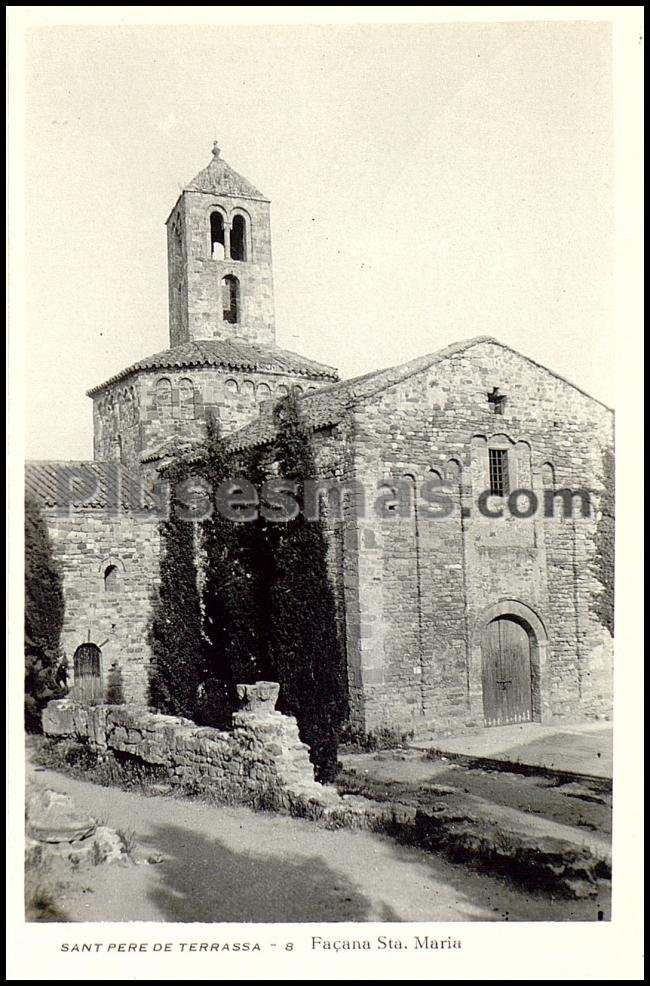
(262, 758)
(426, 587)
(114, 614)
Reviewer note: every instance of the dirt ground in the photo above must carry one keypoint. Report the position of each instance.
(568, 803)
(220, 864)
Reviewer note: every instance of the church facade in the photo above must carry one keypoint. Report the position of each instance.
(469, 579)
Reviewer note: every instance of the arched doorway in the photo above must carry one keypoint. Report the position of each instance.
(88, 688)
(507, 673)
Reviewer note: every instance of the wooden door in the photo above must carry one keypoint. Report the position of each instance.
(507, 687)
(88, 675)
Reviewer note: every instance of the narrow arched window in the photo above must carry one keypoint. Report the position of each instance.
(164, 397)
(548, 476)
(217, 236)
(230, 298)
(111, 578)
(186, 398)
(238, 239)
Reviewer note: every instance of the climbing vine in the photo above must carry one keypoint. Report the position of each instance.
(268, 605)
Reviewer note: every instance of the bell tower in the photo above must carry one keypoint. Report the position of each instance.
(219, 260)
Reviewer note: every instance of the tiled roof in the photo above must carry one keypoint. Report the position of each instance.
(219, 178)
(229, 354)
(85, 486)
(328, 405)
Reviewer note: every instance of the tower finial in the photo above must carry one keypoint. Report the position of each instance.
(216, 150)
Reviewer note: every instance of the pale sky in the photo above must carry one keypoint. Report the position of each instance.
(428, 184)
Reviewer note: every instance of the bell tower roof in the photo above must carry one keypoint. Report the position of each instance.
(220, 179)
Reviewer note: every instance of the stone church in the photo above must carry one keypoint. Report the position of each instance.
(470, 606)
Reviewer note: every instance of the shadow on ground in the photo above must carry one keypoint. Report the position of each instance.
(203, 880)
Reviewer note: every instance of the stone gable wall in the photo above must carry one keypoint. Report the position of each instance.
(425, 588)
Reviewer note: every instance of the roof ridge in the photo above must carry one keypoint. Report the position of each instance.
(343, 397)
(223, 352)
(221, 178)
(402, 370)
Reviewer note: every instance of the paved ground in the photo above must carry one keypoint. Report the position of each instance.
(231, 864)
(582, 748)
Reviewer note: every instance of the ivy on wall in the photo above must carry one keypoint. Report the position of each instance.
(266, 608)
(234, 589)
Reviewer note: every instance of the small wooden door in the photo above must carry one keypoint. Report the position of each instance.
(88, 675)
(507, 686)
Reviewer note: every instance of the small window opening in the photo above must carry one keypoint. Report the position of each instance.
(548, 476)
(164, 397)
(238, 239)
(217, 237)
(499, 479)
(111, 578)
(497, 400)
(186, 399)
(230, 299)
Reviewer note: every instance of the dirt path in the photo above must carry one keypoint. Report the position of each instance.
(231, 864)
(572, 804)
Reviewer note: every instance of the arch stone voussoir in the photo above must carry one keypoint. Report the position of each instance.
(534, 626)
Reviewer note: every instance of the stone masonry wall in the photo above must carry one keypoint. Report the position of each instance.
(426, 588)
(195, 302)
(129, 419)
(261, 759)
(114, 615)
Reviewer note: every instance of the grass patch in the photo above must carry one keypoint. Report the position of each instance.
(128, 839)
(42, 889)
(112, 769)
(384, 738)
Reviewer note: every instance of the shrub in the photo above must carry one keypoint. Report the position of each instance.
(267, 604)
(304, 647)
(383, 738)
(45, 669)
(79, 759)
(41, 902)
(235, 587)
(175, 635)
